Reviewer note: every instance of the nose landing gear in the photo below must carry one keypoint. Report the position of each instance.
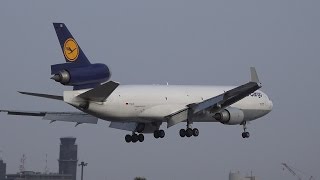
(245, 134)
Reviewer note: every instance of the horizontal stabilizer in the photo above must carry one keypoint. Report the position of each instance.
(77, 117)
(100, 93)
(48, 96)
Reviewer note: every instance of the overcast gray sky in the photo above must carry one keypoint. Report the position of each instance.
(206, 42)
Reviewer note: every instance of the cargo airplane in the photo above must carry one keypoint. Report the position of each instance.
(141, 109)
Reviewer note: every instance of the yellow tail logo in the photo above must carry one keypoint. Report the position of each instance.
(71, 49)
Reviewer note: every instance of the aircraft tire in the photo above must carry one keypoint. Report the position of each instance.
(195, 132)
(128, 138)
(141, 137)
(182, 133)
(189, 132)
(134, 138)
(161, 133)
(156, 134)
(245, 135)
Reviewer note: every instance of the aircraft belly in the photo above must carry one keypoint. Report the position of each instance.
(119, 113)
(158, 112)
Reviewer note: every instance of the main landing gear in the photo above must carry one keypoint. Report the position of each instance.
(140, 137)
(134, 138)
(189, 131)
(245, 134)
(159, 134)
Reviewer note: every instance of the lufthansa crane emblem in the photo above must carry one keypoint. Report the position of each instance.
(71, 49)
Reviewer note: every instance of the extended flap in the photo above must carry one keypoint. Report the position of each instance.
(177, 117)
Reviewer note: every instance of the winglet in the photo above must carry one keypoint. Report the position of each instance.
(254, 75)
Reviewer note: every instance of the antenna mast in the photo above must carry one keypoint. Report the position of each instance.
(46, 169)
(22, 165)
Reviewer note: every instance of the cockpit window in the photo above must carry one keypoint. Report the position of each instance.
(256, 94)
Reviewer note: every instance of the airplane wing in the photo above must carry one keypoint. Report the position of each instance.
(77, 117)
(216, 103)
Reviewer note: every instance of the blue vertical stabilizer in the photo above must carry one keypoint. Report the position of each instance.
(70, 48)
(77, 71)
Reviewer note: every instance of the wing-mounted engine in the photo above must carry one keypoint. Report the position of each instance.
(230, 116)
(71, 74)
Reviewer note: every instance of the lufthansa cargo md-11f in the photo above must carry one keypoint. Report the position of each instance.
(142, 109)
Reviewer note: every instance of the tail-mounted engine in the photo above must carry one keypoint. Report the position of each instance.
(73, 75)
(230, 116)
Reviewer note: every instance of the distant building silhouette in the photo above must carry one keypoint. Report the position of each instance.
(68, 157)
(2, 170)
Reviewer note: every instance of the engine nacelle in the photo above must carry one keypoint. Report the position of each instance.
(230, 116)
(73, 76)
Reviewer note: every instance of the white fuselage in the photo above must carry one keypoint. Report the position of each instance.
(150, 103)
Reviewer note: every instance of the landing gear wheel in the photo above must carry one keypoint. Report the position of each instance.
(141, 137)
(134, 138)
(189, 132)
(182, 133)
(128, 138)
(195, 132)
(161, 133)
(245, 135)
(156, 134)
